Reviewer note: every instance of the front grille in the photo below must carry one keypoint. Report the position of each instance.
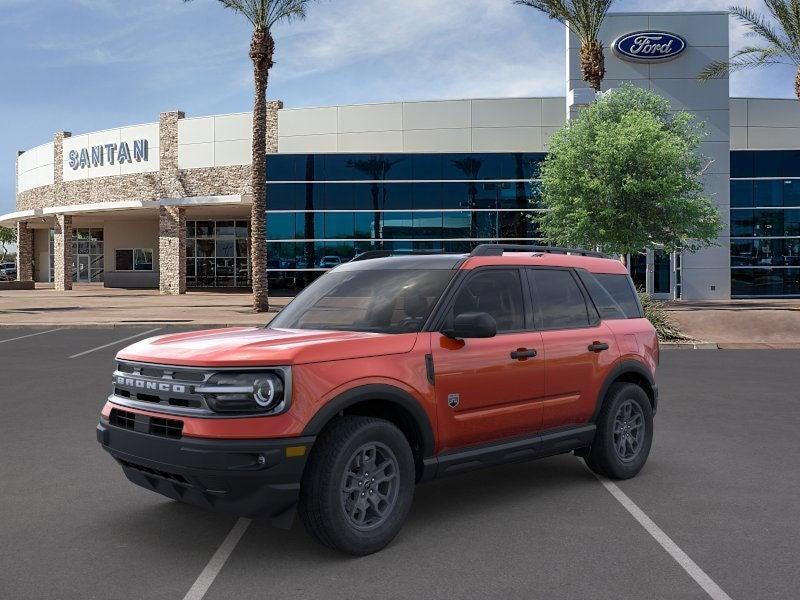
(161, 385)
(170, 428)
(157, 472)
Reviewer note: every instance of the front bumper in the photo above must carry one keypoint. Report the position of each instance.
(248, 478)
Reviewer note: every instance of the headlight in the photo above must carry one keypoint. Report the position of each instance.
(257, 392)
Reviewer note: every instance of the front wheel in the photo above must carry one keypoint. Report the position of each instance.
(357, 488)
(624, 433)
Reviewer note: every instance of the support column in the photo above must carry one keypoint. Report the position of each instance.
(24, 252)
(62, 250)
(171, 250)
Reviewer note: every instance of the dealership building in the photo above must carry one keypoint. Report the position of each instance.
(167, 204)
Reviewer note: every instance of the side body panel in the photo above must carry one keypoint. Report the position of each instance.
(482, 394)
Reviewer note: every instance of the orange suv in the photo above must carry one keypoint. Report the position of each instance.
(385, 372)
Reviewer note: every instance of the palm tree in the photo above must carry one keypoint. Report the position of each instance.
(780, 42)
(584, 19)
(262, 15)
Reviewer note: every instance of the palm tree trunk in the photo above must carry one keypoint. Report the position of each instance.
(593, 64)
(797, 84)
(261, 52)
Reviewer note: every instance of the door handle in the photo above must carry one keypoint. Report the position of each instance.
(597, 347)
(523, 353)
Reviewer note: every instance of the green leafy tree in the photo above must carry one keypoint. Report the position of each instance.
(584, 18)
(778, 40)
(263, 15)
(625, 176)
(7, 237)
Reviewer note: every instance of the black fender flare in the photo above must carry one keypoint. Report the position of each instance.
(623, 368)
(375, 391)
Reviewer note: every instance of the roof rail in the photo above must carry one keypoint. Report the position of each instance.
(370, 254)
(499, 249)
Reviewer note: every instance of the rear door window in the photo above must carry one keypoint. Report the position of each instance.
(558, 300)
(620, 288)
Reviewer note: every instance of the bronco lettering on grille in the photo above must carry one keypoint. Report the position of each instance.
(143, 384)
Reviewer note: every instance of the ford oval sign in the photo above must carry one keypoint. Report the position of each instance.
(649, 46)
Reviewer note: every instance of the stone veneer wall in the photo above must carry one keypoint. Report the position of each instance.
(171, 250)
(24, 252)
(62, 251)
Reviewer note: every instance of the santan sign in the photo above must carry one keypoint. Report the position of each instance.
(97, 156)
(649, 46)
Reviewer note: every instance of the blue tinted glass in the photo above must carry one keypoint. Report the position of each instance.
(339, 225)
(741, 194)
(281, 167)
(465, 166)
(399, 166)
(367, 225)
(742, 164)
(495, 166)
(458, 246)
(742, 223)
(513, 224)
(486, 225)
(366, 196)
(768, 193)
(791, 192)
(515, 195)
(426, 195)
(455, 195)
(397, 225)
(344, 251)
(282, 196)
(791, 222)
(790, 165)
(396, 196)
(426, 166)
(457, 224)
(340, 167)
(339, 196)
(309, 225)
(427, 224)
(526, 166)
(280, 226)
(485, 195)
(533, 230)
(768, 222)
(768, 163)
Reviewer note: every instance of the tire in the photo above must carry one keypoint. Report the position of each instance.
(339, 505)
(612, 453)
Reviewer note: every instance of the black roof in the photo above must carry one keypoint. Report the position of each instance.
(412, 261)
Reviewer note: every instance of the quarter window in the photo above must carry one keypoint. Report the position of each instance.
(560, 303)
(497, 292)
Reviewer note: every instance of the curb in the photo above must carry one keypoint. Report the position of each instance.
(689, 345)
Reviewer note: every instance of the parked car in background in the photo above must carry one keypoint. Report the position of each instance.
(328, 262)
(386, 372)
(8, 271)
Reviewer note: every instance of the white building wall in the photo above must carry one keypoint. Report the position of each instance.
(35, 167)
(87, 141)
(706, 274)
(765, 124)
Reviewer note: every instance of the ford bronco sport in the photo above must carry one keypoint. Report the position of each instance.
(386, 372)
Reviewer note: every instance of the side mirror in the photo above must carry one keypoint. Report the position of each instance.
(472, 325)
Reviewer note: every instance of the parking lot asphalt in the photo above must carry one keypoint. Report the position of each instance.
(721, 482)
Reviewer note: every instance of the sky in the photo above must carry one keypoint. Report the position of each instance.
(86, 65)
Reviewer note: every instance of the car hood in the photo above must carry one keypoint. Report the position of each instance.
(258, 346)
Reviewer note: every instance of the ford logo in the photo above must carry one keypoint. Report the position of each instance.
(649, 46)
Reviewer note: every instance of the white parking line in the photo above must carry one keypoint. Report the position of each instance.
(115, 342)
(22, 337)
(214, 566)
(695, 572)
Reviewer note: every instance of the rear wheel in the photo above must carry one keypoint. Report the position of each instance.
(624, 433)
(357, 488)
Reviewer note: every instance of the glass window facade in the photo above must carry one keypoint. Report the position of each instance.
(218, 254)
(765, 223)
(324, 205)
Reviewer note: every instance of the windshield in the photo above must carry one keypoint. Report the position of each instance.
(381, 301)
